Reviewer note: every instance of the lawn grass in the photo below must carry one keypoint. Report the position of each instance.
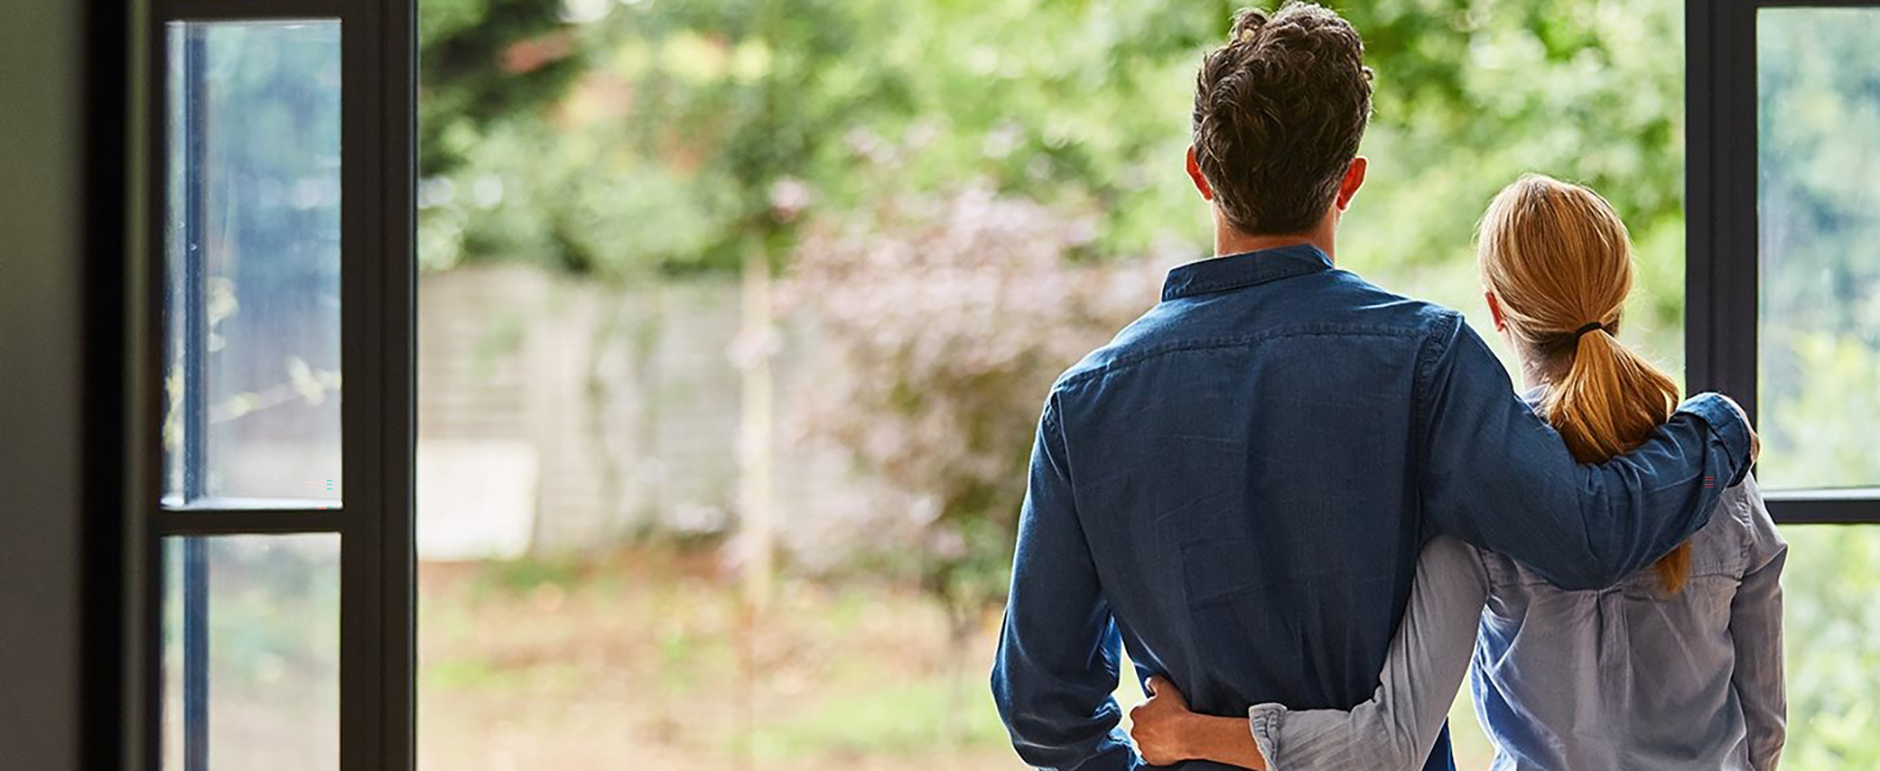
(647, 659)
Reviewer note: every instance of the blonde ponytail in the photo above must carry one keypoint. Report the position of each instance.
(1559, 260)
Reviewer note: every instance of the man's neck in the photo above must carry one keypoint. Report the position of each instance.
(1230, 241)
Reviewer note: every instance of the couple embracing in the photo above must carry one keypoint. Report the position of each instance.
(1308, 507)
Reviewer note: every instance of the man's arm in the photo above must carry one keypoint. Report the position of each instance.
(1756, 630)
(1497, 476)
(1058, 651)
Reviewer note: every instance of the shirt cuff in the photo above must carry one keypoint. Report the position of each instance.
(1727, 425)
(1265, 720)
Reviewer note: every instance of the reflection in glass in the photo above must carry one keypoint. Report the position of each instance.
(251, 653)
(253, 253)
(1818, 127)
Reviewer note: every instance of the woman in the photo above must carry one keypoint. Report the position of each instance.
(1678, 667)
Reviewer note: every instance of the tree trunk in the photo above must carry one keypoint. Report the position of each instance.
(757, 418)
(960, 627)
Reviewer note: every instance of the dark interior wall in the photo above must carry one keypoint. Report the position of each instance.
(42, 268)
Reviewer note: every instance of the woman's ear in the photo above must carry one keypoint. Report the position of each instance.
(1494, 309)
(1200, 179)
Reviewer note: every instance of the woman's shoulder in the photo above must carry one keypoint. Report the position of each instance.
(1739, 537)
(1736, 539)
(1746, 515)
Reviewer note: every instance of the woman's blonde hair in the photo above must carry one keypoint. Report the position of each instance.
(1559, 261)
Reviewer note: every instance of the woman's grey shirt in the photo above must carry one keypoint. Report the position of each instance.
(1626, 677)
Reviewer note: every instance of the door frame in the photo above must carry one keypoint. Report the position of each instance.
(378, 41)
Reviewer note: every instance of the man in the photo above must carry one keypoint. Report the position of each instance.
(1237, 486)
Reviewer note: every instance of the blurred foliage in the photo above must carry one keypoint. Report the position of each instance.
(1829, 586)
(484, 64)
(272, 629)
(1819, 217)
(728, 122)
(939, 324)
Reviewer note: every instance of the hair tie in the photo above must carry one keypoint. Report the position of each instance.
(1581, 332)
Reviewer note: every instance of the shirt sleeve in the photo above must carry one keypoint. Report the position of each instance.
(1057, 662)
(1427, 661)
(1497, 476)
(1756, 631)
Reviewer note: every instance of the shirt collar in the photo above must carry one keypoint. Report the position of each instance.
(1242, 270)
(1534, 396)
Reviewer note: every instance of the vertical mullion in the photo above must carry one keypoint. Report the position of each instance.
(395, 29)
(155, 192)
(194, 340)
(1738, 309)
(361, 623)
(1700, 194)
(1722, 270)
(194, 335)
(195, 655)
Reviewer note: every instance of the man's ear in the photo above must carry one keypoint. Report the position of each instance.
(1354, 179)
(1494, 309)
(1200, 179)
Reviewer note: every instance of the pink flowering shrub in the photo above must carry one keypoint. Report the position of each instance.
(939, 325)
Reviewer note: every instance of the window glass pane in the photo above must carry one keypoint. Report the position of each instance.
(253, 228)
(1818, 127)
(251, 652)
(1829, 586)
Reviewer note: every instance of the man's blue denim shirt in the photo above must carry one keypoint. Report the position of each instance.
(1237, 487)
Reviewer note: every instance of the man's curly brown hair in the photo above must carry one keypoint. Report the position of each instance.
(1279, 112)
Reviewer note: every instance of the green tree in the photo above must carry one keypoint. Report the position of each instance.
(483, 63)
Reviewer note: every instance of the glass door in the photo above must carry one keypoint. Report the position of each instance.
(279, 633)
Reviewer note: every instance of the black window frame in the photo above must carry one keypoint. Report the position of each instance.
(1722, 263)
(374, 522)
